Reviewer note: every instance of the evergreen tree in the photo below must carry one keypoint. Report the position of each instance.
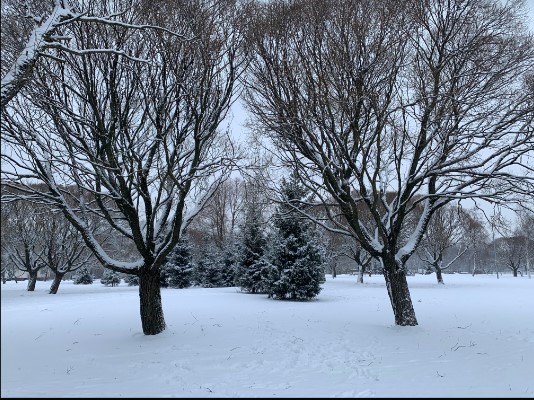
(252, 267)
(82, 277)
(207, 269)
(110, 278)
(163, 277)
(296, 253)
(131, 280)
(179, 266)
(228, 266)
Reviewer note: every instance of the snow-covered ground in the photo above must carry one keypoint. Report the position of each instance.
(475, 338)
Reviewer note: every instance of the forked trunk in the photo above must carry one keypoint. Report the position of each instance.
(31, 281)
(152, 318)
(399, 294)
(55, 283)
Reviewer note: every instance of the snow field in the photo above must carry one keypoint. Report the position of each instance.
(475, 339)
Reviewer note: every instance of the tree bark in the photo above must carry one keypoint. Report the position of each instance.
(399, 294)
(361, 271)
(55, 284)
(439, 276)
(152, 318)
(32, 280)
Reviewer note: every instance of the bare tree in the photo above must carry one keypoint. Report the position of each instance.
(64, 249)
(363, 261)
(8, 269)
(219, 218)
(421, 99)
(140, 141)
(445, 231)
(22, 233)
(511, 250)
(476, 235)
(526, 228)
(34, 29)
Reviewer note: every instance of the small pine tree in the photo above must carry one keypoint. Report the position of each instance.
(252, 267)
(110, 278)
(82, 277)
(296, 254)
(179, 266)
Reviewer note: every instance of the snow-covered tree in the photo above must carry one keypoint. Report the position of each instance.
(179, 266)
(511, 252)
(140, 141)
(229, 265)
(297, 257)
(83, 277)
(110, 278)
(363, 261)
(252, 266)
(207, 268)
(219, 220)
(526, 228)
(397, 108)
(32, 30)
(477, 237)
(445, 231)
(23, 231)
(131, 280)
(64, 249)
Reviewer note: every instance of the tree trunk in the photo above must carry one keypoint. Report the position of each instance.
(361, 271)
(439, 276)
(527, 266)
(32, 280)
(399, 294)
(474, 262)
(152, 318)
(55, 283)
(515, 273)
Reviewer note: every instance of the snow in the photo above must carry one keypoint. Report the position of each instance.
(475, 338)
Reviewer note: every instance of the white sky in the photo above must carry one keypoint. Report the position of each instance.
(530, 6)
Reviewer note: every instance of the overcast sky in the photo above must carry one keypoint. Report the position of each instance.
(530, 6)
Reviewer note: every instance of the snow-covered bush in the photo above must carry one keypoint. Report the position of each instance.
(131, 280)
(110, 278)
(82, 277)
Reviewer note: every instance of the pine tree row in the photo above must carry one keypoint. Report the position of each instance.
(283, 258)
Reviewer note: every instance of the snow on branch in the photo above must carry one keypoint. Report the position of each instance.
(44, 37)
